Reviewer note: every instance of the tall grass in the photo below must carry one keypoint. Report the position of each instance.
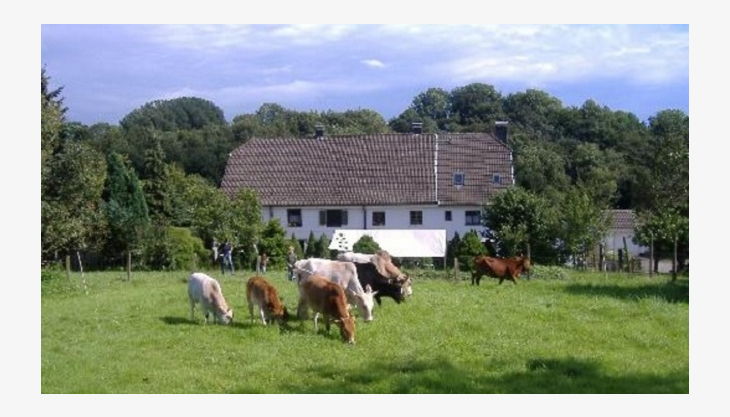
(587, 333)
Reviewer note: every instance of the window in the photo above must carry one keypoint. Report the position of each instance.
(458, 178)
(447, 215)
(416, 218)
(333, 218)
(496, 179)
(473, 218)
(294, 217)
(378, 218)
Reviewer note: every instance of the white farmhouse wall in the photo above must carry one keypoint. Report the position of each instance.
(396, 217)
(614, 241)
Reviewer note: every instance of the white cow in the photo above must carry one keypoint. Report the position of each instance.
(361, 258)
(207, 291)
(342, 273)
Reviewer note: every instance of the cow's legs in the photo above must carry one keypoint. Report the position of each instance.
(263, 315)
(250, 310)
(327, 323)
(316, 317)
(192, 309)
(500, 280)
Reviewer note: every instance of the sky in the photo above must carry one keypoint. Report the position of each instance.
(109, 70)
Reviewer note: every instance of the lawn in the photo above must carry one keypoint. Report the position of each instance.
(587, 333)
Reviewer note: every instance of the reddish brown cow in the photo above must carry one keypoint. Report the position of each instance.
(325, 297)
(264, 295)
(501, 268)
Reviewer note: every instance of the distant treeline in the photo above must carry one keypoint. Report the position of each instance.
(176, 150)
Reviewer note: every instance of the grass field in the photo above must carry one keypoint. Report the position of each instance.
(584, 334)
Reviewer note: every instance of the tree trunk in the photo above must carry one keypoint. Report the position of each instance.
(529, 256)
(68, 267)
(129, 265)
(656, 265)
(674, 261)
(601, 259)
(651, 256)
(628, 258)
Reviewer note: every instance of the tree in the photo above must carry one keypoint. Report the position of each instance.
(52, 97)
(156, 184)
(582, 224)
(666, 229)
(179, 113)
(273, 242)
(521, 221)
(246, 223)
(452, 249)
(126, 209)
(469, 247)
(366, 244)
(475, 107)
(535, 112)
(540, 168)
(323, 247)
(294, 242)
(312, 249)
(71, 199)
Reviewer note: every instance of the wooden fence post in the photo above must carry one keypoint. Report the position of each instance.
(129, 264)
(674, 261)
(628, 258)
(68, 266)
(651, 255)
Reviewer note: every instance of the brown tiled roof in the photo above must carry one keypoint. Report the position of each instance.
(478, 156)
(380, 169)
(622, 219)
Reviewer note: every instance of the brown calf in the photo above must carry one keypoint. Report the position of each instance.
(325, 297)
(502, 268)
(264, 295)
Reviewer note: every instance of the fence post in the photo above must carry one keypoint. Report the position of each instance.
(68, 266)
(628, 257)
(651, 255)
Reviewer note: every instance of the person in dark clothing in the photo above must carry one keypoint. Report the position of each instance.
(227, 258)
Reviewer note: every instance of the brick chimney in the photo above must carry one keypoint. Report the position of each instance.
(417, 127)
(500, 130)
(319, 131)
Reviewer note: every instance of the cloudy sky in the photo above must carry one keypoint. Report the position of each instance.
(108, 70)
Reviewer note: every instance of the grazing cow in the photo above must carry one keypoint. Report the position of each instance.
(384, 265)
(327, 298)
(502, 268)
(207, 291)
(342, 273)
(261, 293)
(369, 277)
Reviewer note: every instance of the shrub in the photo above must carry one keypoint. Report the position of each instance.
(366, 244)
(547, 272)
(173, 248)
(469, 247)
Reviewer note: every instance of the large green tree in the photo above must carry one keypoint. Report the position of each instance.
(126, 209)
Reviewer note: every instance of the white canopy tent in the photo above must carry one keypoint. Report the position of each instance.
(400, 243)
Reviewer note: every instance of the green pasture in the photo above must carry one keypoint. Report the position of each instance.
(587, 333)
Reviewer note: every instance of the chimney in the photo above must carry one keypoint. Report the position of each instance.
(500, 130)
(319, 131)
(417, 127)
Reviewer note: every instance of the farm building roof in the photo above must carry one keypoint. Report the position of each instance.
(622, 219)
(375, 169)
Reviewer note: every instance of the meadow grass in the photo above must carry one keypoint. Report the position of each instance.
(588, 333)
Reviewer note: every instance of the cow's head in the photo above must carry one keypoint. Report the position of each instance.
(226, 317)
(366, 303)
(406, 288)
(526, 263)
(347, 329)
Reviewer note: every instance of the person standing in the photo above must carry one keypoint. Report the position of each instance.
(227, 257)
(291, 259)
(214, 248)
(264, 262)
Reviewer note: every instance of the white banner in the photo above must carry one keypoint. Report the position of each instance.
(401, 243)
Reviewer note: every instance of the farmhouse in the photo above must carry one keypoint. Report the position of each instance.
(621, 227)
(375, 181)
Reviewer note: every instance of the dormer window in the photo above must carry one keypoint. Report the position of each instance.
(458, 179)
(496, 179)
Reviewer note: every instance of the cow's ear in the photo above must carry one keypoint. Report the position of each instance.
(368, 289)
(375, 292)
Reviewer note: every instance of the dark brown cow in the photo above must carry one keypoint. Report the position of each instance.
(501, 268)
(261, 293)
(325, 297)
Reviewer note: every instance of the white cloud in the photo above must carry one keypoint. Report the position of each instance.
(374, 63)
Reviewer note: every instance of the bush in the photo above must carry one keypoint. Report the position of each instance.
(547, 272)
(173, 248)
(366, 244)
(469, 247)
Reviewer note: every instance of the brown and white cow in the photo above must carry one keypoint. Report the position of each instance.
(327, 298)
(342, 273)
(386, 272)
(501, 268)
(261, 293)
(207, 292)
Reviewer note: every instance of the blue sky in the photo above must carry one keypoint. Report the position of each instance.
(108, 70)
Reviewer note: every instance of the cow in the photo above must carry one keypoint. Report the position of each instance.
(328, 298)
(501, 268)
(369, 276)
(261, 293)
(384, 265)
(207, 291)
(342, 273)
